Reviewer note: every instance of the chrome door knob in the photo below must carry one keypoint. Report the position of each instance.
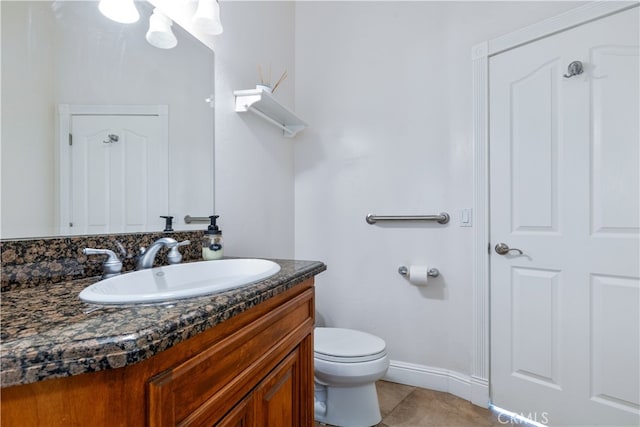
(503, 249)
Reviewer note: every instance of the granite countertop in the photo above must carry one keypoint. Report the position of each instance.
(47, 332)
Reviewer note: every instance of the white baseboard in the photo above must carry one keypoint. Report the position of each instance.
(475, 390)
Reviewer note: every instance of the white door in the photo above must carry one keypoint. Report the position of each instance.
(118, 174)
(564, 189)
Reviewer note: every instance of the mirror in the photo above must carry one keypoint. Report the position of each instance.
(65, 57)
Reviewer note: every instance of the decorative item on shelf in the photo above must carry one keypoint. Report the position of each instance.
(264, 88)
(265, 84)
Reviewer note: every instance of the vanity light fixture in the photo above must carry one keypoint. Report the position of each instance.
(123, 11)
(207, 17)
(160, 34)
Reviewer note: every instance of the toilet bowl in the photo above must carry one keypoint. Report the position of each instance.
(347, 363)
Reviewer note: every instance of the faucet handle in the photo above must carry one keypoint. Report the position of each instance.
(174, 256)
(112, 266)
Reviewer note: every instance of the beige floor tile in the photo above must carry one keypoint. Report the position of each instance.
(406, 406)
(428, 408)
(390, 395)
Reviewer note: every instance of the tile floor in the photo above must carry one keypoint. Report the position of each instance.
(406, 406)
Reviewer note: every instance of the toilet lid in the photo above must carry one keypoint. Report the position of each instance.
(347, 345)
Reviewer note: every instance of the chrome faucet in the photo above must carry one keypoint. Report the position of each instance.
(148, 255)
(112, 266)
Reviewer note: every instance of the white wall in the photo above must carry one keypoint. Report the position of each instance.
(386, 87)
(28, 137)
(254, 163)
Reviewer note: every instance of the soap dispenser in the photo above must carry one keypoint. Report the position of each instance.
(212, 241)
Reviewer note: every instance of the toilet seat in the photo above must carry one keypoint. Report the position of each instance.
(347, 345)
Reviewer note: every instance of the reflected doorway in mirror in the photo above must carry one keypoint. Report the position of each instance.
(113, 168)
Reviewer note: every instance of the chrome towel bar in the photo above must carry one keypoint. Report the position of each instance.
(188, 219)
(443, 218)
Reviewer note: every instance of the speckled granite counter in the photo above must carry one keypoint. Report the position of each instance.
(47, 332)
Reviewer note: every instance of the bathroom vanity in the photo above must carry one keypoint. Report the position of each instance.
(240, 358)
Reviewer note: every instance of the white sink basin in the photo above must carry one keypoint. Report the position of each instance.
(178, 281)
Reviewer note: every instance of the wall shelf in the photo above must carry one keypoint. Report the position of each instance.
(266, 106)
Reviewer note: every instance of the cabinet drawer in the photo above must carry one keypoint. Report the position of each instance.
(202, 389)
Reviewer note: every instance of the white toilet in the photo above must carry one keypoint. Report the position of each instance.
(347, 365)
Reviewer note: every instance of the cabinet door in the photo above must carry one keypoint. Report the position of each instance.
(277, 397)
(241, 415)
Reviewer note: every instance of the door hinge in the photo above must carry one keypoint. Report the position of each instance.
(489, 248)
(70, 139)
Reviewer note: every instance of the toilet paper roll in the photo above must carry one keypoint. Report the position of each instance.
(418, 275)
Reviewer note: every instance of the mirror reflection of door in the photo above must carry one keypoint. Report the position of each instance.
(115, 180)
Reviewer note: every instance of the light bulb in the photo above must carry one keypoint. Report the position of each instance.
(123, 11)
(160, 34)
(207, 17)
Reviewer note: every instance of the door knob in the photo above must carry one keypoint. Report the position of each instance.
(503, 249)
(574, 69)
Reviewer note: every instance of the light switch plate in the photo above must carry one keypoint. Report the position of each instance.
(466, 217)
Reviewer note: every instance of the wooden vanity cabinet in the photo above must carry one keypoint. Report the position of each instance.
(255, 369)
(265, 367)
(274, 402)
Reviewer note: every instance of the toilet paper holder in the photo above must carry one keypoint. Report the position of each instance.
(404, 271)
